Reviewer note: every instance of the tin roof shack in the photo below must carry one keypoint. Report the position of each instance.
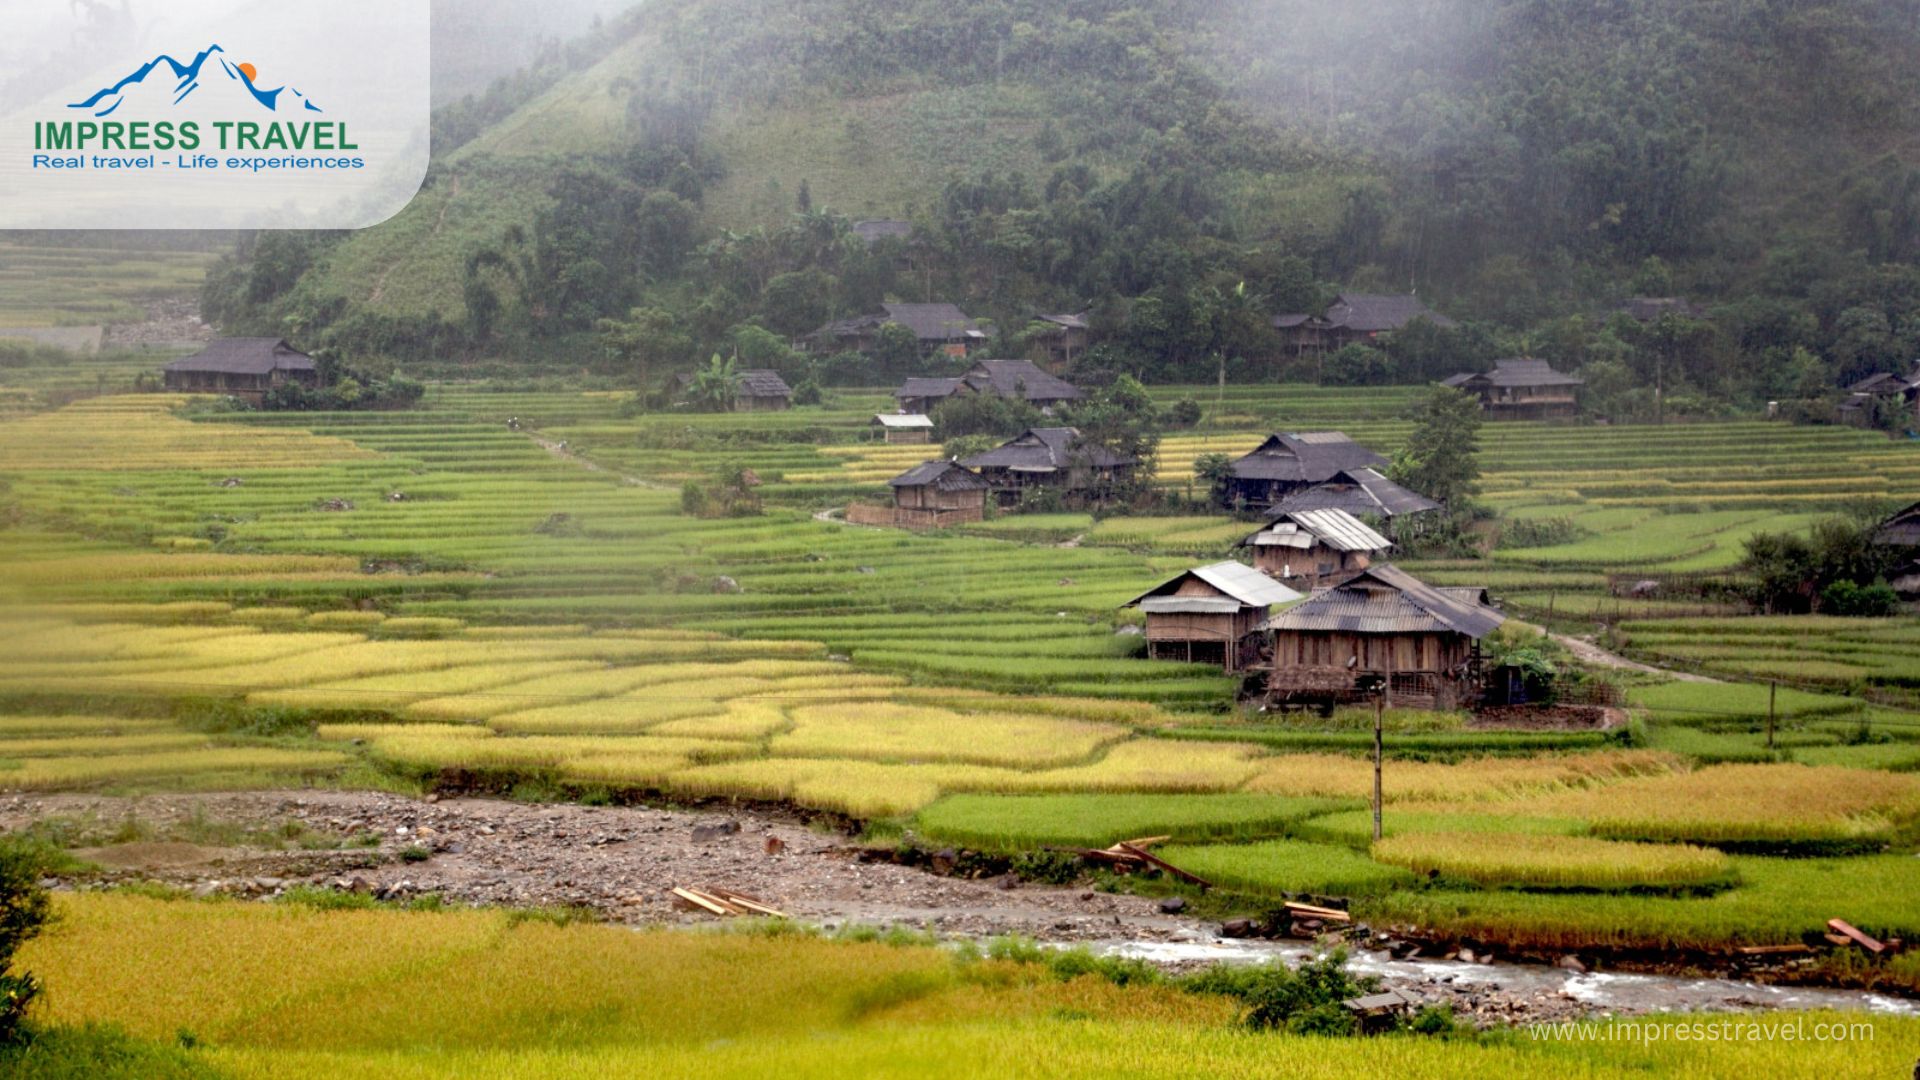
(1365, 494)
(1352, 317)
(1286, 464)
(1381, 625)
(1004, 378)
(245, 368)
(1308, 548)
(937, 327)
(1052, 457)
(1211, 615)
(904, 428)
(1064, 337)
(1521, 388)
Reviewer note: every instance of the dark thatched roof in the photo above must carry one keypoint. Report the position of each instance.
(1360, 492)
(1365, 313)
(882, 229)
(1387, 600)
(1900, 530)
(245, 356)
(1306, 457)
(1020, 378)
(944, 474)
(935, 322)
(921, 387)
(1043, 450)
(1515, 371)
(1650, 308)
(1885, 383)
(1065, 322)
(763, 382)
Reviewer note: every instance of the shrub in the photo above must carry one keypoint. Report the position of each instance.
(1304, 1000)
(1846, 598)
(24, 910)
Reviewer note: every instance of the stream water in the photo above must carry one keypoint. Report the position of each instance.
(1601, 990)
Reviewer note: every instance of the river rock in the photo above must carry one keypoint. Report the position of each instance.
(1570, 962)
(1173, 905)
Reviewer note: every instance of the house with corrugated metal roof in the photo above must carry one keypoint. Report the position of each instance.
(245, 368)
(1352, 317)
(1052, 457)
(1211, 615)
(1364, 493)
(1381, 630)
(1294, 462)
(1306, 548)
(1521, 388)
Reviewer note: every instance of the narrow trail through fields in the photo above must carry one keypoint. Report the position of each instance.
(1588, 652)
(560, 450)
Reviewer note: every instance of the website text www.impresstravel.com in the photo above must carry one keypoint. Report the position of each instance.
(1722, 1029)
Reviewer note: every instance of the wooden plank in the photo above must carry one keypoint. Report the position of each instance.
(1316, 912)
(1836, 939)
(1847, 930)
(750, 903)
(1773, 950)
(1165, 866)
(701, 901)
(1145, 841)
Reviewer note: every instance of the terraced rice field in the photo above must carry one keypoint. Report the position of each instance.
(431, 598)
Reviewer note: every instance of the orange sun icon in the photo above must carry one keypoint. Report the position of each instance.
(249, 71)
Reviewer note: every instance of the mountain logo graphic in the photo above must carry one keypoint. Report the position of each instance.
(224, 77)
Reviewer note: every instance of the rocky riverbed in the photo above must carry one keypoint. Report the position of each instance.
(623, 861)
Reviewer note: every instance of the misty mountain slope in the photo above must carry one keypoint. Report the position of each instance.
(1513, 160)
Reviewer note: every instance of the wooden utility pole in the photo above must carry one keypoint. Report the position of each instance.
(1379, 711)
(1773, 689)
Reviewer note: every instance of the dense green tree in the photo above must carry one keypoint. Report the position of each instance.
(1442, 456)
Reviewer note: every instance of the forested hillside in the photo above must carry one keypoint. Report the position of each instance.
(1185, 170)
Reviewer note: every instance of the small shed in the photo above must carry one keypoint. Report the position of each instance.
(246, 368)
(937, 494)
(1064, 337)
(762, 390)
(1306, 548)
(1290, 463)
(1210, 615)
(1021, 379)
(1051, 457)
(1521, 388)
(1382, 626)
(904, 428)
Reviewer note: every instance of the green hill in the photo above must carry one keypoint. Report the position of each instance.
(1516, 162)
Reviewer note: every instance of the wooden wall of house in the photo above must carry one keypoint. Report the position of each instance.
(930, 497)
(908, 436)
(1383, 653)
(1314, 565)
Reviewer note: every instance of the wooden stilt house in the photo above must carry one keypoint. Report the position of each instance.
(1381, 627)
(1210, 615)
(1309, 548)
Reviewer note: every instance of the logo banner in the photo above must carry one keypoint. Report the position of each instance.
(211, 114)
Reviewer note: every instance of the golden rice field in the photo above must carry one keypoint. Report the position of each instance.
(1548, 861)
(488, 613)
(383, 993)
